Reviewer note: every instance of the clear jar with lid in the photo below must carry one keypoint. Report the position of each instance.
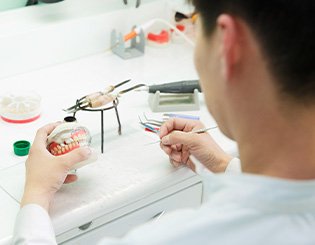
(20, 106)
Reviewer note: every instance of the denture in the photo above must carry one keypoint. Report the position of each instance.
(67, 137)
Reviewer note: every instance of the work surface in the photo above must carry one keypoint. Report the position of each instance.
(129, 169)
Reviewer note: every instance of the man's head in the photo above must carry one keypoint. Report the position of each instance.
(253, 53)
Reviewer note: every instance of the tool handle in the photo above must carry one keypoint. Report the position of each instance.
(109, 89)
(102, 100)
(92, 96)
(176, 87)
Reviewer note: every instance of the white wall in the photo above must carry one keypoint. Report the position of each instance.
(43, 35)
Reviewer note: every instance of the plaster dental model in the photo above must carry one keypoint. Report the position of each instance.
(68, 136)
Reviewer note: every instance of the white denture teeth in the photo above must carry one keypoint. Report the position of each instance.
(68, 141)
(67, 137)
(61, 129)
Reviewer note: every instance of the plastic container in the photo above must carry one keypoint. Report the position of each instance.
(20, 106)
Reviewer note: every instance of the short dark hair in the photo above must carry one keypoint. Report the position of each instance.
(285, 32)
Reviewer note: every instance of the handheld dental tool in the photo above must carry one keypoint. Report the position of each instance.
(183, 87)
(197, 131)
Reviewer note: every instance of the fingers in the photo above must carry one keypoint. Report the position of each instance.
(191, 165)
(178, 152)
(177, 157)
(175, 163)
(75, 156)
(178, 137)
(166, 149)
(43, 132)
(70, 178)
(185, 154)
(179, 124)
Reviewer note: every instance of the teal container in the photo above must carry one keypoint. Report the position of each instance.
(11, 4)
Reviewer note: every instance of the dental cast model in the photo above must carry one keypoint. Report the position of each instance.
(68, 136)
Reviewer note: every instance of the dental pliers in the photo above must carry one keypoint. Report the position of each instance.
(101, 98)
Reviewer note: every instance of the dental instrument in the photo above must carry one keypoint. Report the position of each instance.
(90, 99)
(197, 131)
(174, 115)
(153, 121)
(180, 87)
(101, 98)
(148, 126)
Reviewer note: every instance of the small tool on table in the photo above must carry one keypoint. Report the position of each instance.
(197, 131)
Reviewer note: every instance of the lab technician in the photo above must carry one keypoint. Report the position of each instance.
(255, 60)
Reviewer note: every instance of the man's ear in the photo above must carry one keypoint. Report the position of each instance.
(230, 47)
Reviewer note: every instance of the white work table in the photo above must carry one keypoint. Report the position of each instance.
(131, 182)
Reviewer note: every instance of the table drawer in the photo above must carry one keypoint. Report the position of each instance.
(92, 232)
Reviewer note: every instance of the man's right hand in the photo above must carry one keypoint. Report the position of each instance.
(179, 144)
